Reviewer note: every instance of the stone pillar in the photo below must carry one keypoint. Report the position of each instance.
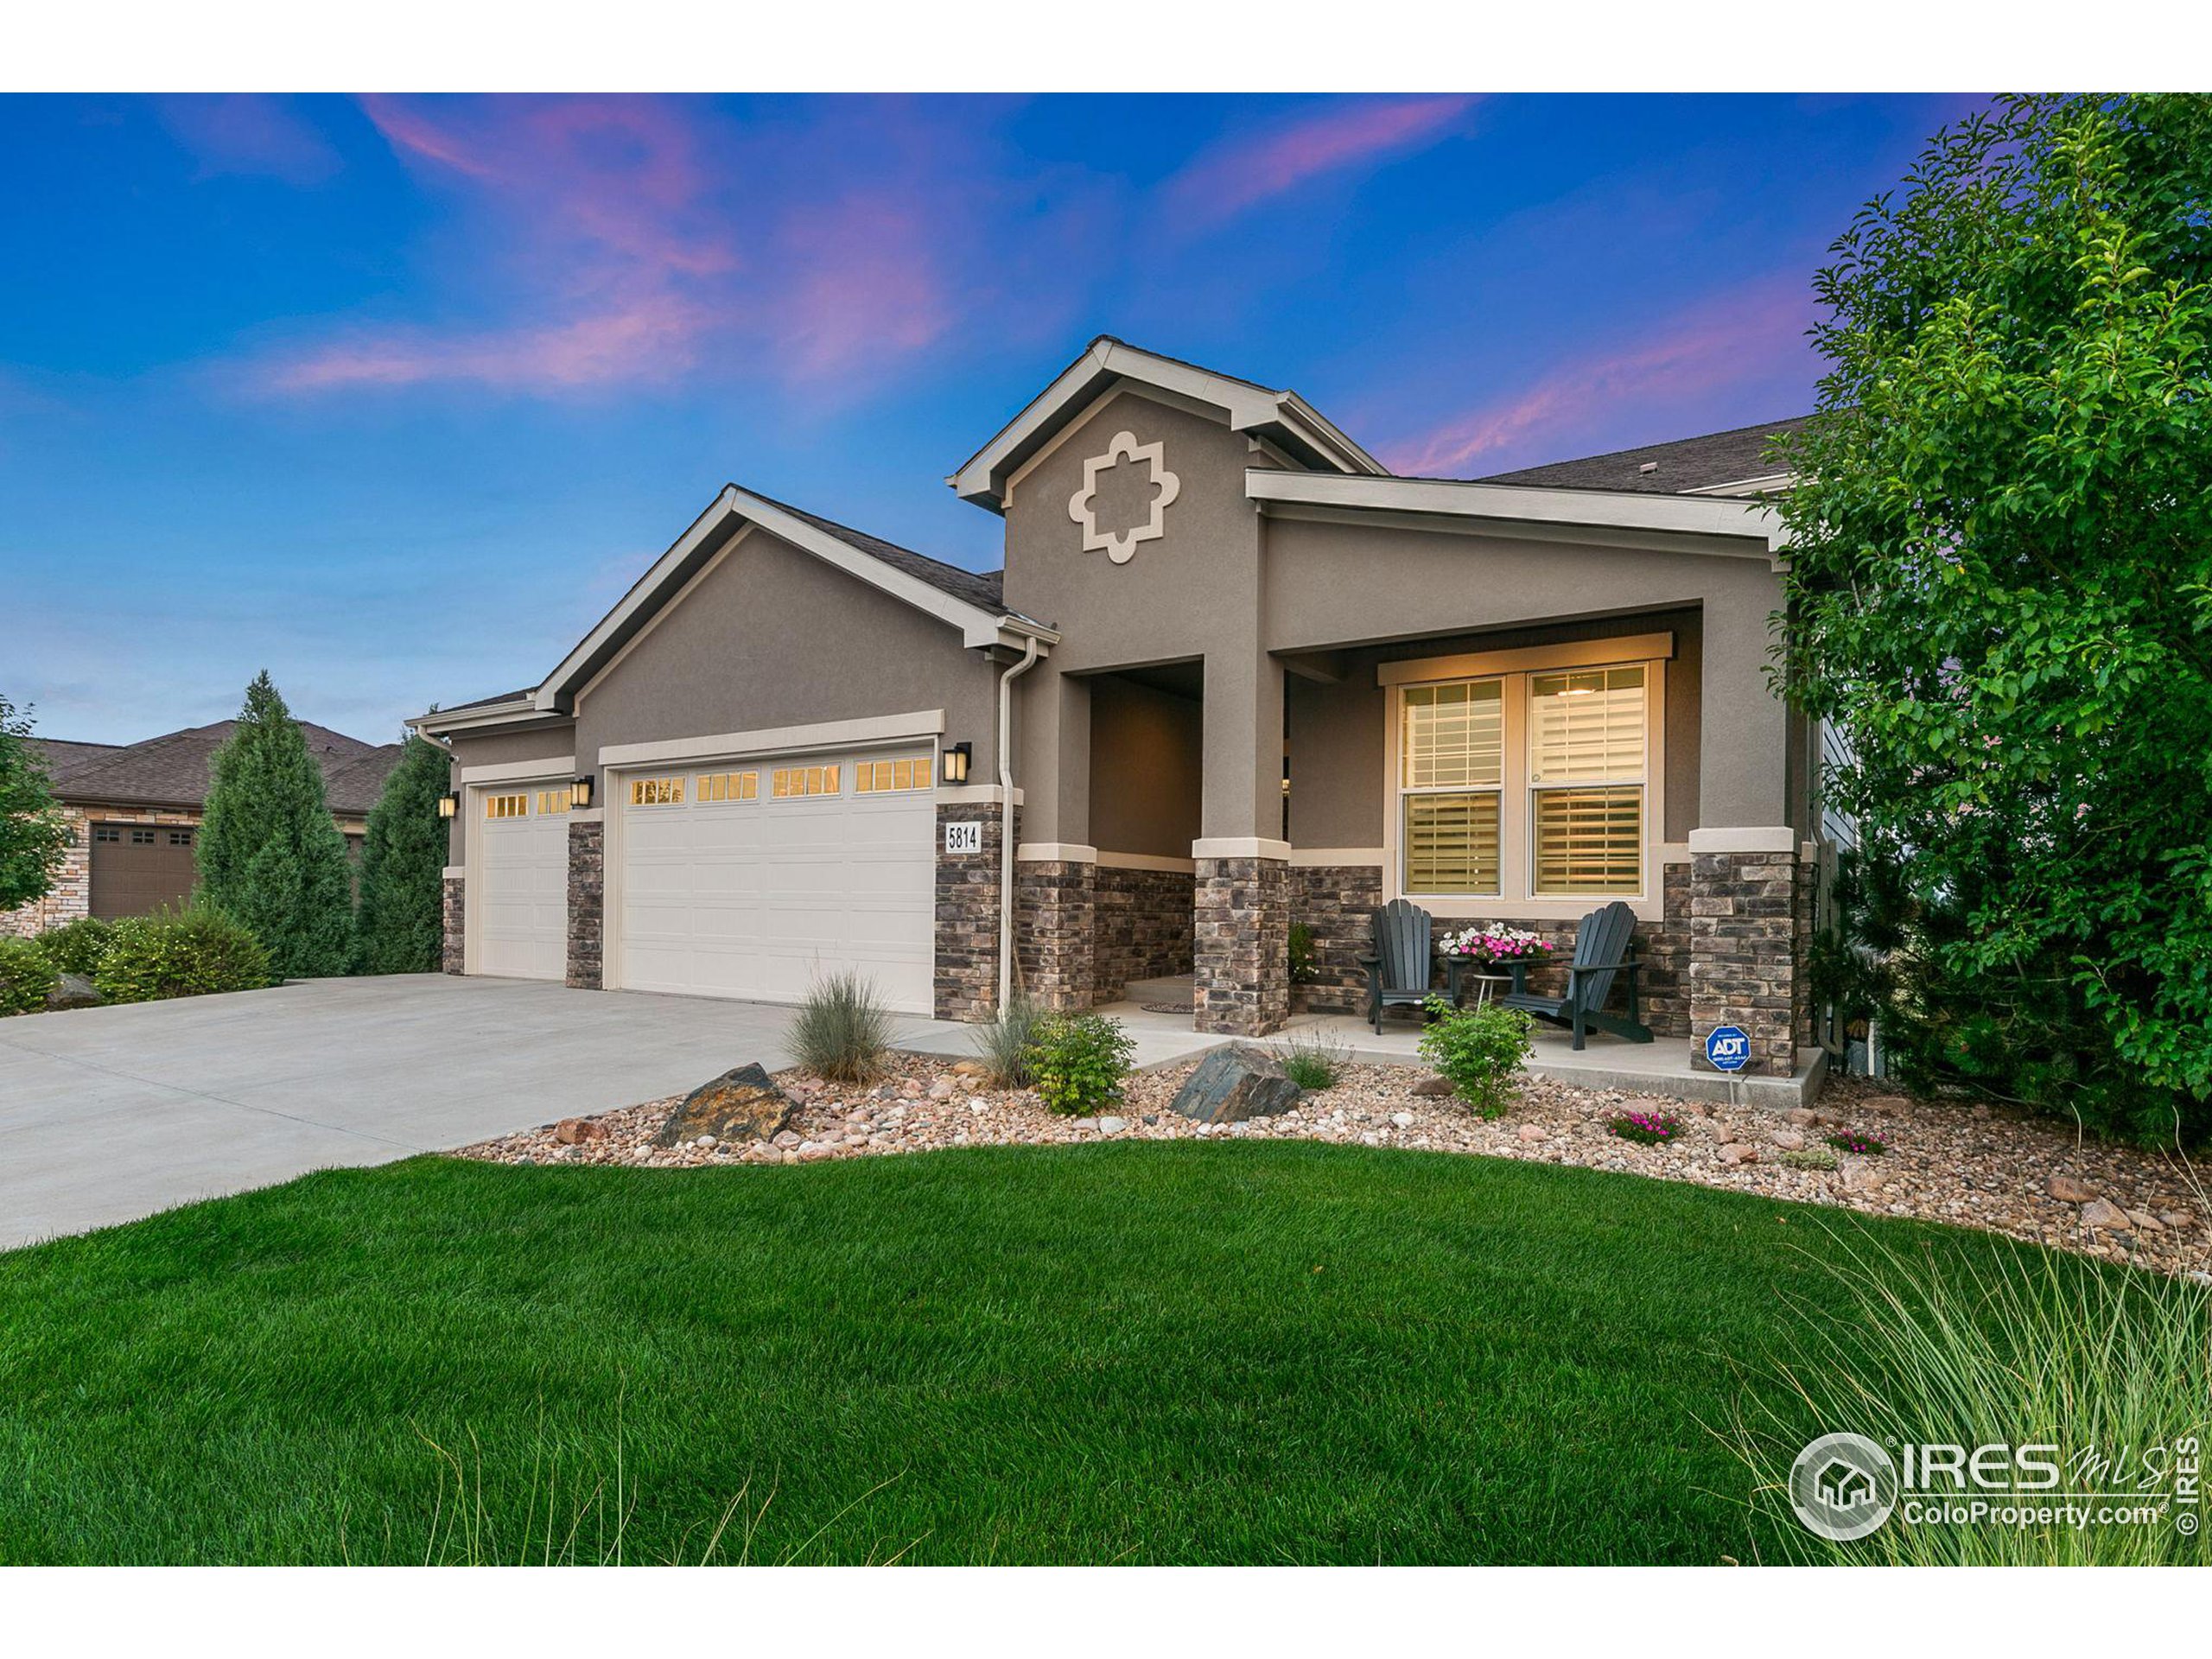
(1242, 948)
(1745, 956)
(586, 901)
(1338, 902)
(1054, 900)
(456, 916)
(968, 911)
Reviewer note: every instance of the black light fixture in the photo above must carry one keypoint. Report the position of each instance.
(449, 804)
(580, 792)
(956, 758)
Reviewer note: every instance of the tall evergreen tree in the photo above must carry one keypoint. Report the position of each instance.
(269, 856)
(402, 922)
(33, 835)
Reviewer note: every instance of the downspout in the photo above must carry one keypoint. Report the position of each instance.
(1005, 819)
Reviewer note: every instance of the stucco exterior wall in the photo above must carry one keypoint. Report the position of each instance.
(771, 636)
(1146, 771)
(550, 740)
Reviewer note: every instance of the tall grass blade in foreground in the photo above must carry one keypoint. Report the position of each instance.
(2033, 1349)
(842, 1031)
(1002, 1042)
(1315, 1059)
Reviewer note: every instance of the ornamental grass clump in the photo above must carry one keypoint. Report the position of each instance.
(1002, 1042)
(843, 1030)
(1858, 1142)
(1646, 1129)
(1315, 1061)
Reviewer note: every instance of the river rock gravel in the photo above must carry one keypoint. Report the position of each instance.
(1947, 1161)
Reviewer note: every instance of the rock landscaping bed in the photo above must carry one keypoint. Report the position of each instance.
(1973, 1167)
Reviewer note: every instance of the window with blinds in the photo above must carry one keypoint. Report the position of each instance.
(1586, 759)
(1450, 771)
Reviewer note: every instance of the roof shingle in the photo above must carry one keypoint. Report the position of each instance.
(173, 770)
(1686, 464)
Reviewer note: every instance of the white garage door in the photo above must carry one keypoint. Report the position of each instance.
(754, 879)
(521, 898)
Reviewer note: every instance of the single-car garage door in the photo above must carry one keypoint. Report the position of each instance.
(521, 902)
(138, 868)
(755, 878)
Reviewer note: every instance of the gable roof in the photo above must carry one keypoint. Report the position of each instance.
(64, 755)
(986, 588)
(1279, 414)
(173, 770)
(1730, 463)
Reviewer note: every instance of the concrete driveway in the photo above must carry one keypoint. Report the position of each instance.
(107, 1115)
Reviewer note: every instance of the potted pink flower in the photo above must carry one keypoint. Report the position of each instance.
(1493, 943)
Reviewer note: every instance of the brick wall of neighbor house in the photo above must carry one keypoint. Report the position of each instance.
(1338, 903)
(587, 903)
(455, 916)
(1141, 927)
(967, 915)
(72, 893)
(1745, 949)
(1054, 918)
(1241, 950)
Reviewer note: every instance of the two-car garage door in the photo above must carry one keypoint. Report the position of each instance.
(754, 878)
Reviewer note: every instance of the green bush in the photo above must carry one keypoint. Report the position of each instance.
(1079, 1062)
(77, 947)
(1002, 1043)
(1480, 1052)
(843, 1030)
(1315, 1061)
(26, 975)
(196, 952)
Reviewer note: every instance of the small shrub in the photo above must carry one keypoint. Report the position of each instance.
(1002, 1043)
(193, 953)
(77, 947)
(1481, 1052)
(1302, 969)
(843, 1030)
(1807, 1158)
(1078, 1062)
(1315, 1061)
(26, 975)
(1866, 1146)
(1647, 1129)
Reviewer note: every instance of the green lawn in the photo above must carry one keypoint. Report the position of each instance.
(1169, 1353)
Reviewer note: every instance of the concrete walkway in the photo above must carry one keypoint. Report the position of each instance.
(107, 1115)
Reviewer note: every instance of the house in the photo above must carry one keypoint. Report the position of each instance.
(1234, 676)
(134, 809)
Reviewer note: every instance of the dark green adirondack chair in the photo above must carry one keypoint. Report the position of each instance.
(1398, 973)
(1604, 945)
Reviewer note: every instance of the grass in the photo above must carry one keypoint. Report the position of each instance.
(1184, 1352)
(842, 1031)
(1315, 1061)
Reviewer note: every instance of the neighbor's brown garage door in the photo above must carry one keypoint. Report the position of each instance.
(140, 867)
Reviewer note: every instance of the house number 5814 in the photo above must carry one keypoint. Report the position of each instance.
(963, 838)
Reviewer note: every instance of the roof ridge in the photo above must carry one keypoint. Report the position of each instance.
(143, 745)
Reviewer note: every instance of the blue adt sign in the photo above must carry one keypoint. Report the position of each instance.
(1727, 1048)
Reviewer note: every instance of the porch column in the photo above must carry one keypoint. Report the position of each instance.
(1241, 954)
(1748, 902)
(1055, 865)
(969, 843)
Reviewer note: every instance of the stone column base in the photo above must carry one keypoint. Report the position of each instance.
(1053, 915)
(1242, 949)
(967, 984)
(1745, 959)
(457, 917)
(587, 904)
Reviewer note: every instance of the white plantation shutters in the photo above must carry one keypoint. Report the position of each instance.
(1587, 775)
(1451, 773)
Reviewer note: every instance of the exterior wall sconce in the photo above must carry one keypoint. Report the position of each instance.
(449, 804)
(956, 758)
(580, 793)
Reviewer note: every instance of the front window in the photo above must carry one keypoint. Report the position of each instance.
(1451, 773)
(1525, 785)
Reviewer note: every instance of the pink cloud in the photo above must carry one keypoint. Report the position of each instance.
(249, 134)
(1736, 339)
(653, 337)
(1240, 172)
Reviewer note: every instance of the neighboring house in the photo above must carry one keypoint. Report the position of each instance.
(135, 808)
(1251, 678)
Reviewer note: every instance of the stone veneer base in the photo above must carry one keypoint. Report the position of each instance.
(1746, 955)
(456, 917)
(1143, 922)
(586, 906)
(1242, 952)
(1054, 913)
(967, 984)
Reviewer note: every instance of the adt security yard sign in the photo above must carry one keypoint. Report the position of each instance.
(1727, 1047)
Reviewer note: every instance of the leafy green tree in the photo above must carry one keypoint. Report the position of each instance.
(401, 921)
(270, 858)
(34, 836)
(2000, 590)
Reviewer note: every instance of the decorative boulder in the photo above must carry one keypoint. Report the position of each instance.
(74, 991)
(1235, 1083)
(739, 1105)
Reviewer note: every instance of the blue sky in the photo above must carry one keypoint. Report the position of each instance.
(394, 396)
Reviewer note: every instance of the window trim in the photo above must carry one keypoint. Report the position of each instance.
(1517, 897)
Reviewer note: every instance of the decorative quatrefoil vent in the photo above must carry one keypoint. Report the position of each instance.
(1122, 546)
